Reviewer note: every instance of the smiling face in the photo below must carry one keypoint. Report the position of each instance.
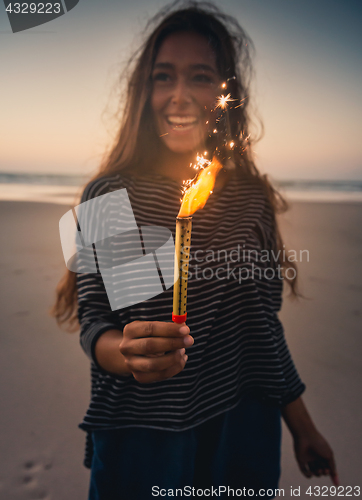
(185, 85)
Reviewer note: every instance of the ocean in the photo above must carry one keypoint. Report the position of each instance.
(66, 189)
(47, 188)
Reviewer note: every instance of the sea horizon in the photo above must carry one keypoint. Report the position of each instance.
(66, 188)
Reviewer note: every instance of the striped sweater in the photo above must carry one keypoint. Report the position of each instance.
(234, 295)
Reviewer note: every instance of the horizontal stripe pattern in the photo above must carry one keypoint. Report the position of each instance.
(232, 310)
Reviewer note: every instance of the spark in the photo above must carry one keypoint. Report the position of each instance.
(223, 100)
(202, 162)
(164, 134)
(241, 102)
(223, 86)
(231, 144)
(215, 131)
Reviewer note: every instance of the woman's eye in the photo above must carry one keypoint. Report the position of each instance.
(203, 78)
(161, 77)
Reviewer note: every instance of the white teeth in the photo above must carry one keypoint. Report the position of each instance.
(181, 120)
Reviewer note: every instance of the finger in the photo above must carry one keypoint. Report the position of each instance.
(161, 363)
(148, 346)
(330, 469)
(315, 472)
(319, 465)
(138, 329)
(147, 378)
(332, 466)
(315, 468)
(335, 479)
(174, 370)
(305, 470)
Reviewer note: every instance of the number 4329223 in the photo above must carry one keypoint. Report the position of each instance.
(33, 8)
(334, 491)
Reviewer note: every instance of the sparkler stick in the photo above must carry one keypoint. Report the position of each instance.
(182, 255)
(194, 198)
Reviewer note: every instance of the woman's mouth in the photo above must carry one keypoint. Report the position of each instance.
(181, 123)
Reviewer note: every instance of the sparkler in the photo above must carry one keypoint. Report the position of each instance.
(195, 196)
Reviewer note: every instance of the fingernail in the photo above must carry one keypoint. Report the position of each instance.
(182, 351)
(186, 357)
(184, 330)
(188, 341)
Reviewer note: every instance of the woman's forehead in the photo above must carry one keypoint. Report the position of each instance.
(186, 48)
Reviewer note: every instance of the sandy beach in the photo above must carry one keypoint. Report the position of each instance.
(45, 374)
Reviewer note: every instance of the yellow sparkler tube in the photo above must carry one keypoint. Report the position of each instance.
(182, 257)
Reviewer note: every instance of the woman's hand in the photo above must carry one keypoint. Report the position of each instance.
(313, 453)
(315, 456)
(154, 350)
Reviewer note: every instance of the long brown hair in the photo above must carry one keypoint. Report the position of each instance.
(136, 143)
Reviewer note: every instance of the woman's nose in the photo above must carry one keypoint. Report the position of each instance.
(181, 94)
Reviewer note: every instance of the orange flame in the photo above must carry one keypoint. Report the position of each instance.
(198, 193)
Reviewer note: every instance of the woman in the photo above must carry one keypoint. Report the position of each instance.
(161, 419)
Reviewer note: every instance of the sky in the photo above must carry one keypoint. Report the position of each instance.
(58, 84)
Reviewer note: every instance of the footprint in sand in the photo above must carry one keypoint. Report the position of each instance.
(22, 313)
(18, 271)
(30, 480)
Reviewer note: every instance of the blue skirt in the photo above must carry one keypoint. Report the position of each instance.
(237, 449)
